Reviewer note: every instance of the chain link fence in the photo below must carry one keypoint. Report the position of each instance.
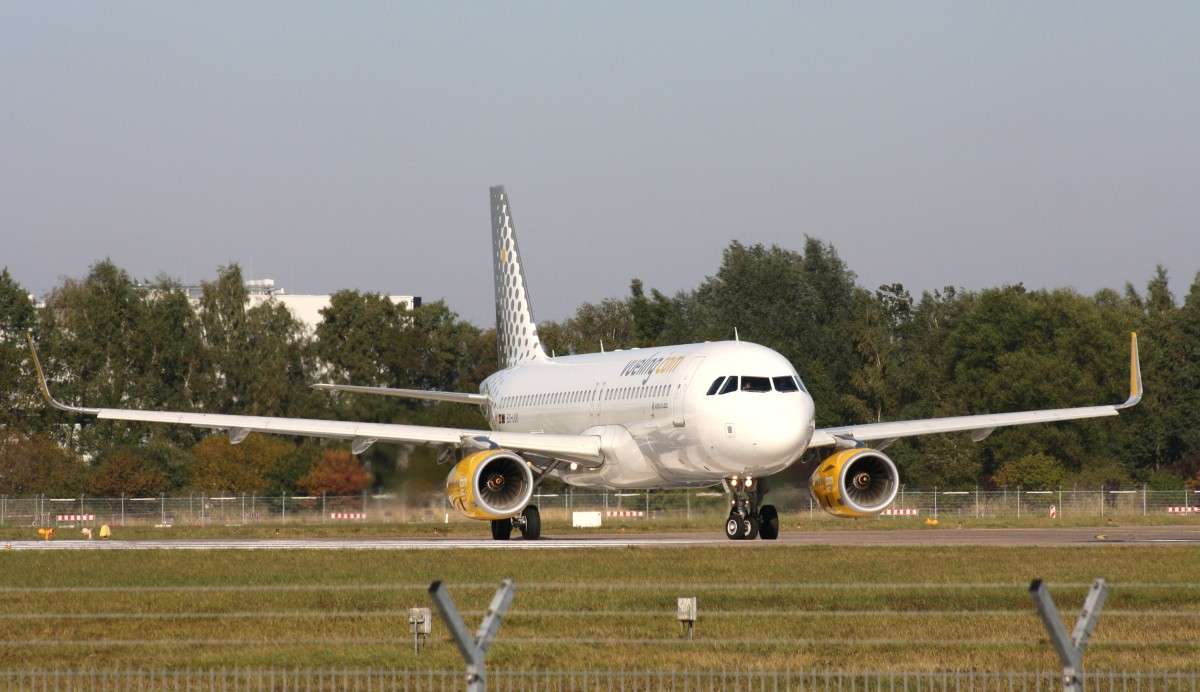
(675, 507)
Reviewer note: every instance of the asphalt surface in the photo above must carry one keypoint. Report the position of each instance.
(1074, 536)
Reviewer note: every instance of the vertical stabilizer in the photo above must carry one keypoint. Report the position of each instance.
(516, 332)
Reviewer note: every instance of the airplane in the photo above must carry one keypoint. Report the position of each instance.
(731, 413)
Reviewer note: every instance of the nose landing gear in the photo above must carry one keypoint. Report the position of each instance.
(748, 518)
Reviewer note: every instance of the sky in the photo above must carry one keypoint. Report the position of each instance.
(340, 146)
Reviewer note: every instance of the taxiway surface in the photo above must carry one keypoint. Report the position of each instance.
(1074, 536)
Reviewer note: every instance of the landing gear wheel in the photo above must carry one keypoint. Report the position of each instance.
(531, 526)
(733, 527)
(768, 519)
(750, 528)
(501, 529)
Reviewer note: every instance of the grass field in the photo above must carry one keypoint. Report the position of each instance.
(762, 606)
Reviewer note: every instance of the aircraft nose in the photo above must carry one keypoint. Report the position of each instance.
(768, 432)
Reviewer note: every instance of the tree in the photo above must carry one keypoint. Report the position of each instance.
(37, 464)
(336, 473)
(651, 316)
(223, 317)
(95, 330)
(18, 390)
(608, 325)
(124, 471)
(1035, 471)
(242, 468)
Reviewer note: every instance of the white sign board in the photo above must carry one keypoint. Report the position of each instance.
(585, 520)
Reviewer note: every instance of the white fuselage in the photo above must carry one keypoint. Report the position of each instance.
(662, 423)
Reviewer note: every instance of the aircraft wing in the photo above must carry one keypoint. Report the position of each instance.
(980, 426)
(452, 397)
(581, 449)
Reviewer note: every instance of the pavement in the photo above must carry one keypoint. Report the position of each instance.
(931, 536)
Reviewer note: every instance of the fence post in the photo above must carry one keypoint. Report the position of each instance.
(473, 649)
(1070, 649)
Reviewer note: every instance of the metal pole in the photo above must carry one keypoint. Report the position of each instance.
(1070, 649)
(473, 649)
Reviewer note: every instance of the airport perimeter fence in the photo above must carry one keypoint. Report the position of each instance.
(286, 679)
(612, 508)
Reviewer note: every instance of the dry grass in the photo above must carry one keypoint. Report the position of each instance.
(761, 607)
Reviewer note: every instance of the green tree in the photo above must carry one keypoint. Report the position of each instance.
(179, 372)
(651, 316)
(1035, 471)
(93, 332)
(19, 402)
(608, 325)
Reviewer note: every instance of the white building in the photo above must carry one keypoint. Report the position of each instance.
(306, 309)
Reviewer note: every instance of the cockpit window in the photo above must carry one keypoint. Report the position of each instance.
(734, 383)
(785, 384)
(756, 384)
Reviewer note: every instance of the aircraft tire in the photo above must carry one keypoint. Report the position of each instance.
(768, 518)
(750, 528)
(501, 529)
(733, 527)
(531, 528)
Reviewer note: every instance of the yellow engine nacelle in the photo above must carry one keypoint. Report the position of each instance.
(858, 482)
(493, 484)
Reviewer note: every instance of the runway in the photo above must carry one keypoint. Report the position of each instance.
(1049, 537)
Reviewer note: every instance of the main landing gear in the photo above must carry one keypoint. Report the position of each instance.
(528, 522)
(748, 519)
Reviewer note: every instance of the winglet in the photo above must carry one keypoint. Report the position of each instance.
(1135, 375)
(37, 365)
